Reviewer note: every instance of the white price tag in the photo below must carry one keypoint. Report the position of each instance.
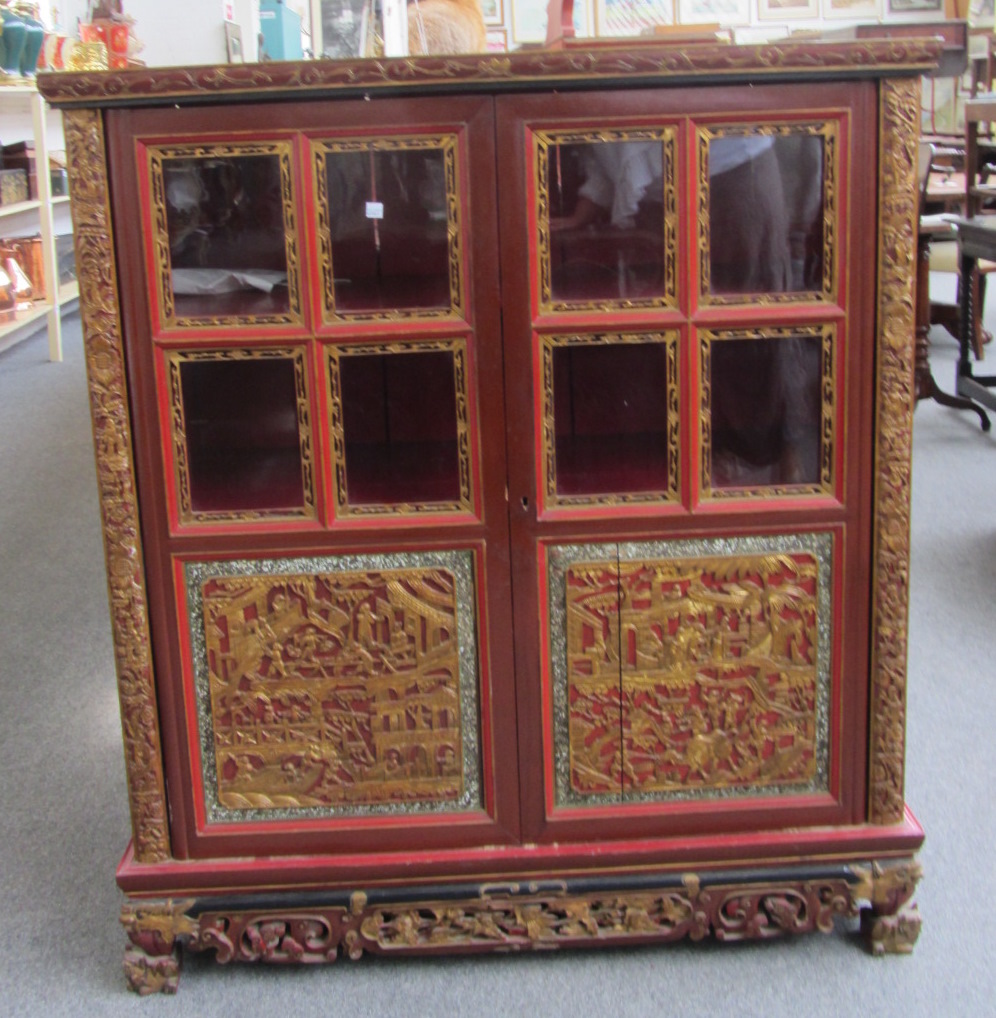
(375, 210)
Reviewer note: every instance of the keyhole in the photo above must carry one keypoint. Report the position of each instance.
(525, 502)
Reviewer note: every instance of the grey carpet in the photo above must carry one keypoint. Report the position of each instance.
(64, 822)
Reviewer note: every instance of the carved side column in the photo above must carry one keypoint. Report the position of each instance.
(102, 339)
(894, 400)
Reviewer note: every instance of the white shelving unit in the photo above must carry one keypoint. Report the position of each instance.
(25, 116)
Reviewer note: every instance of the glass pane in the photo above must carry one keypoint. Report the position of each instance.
(766, 205)
(400, 423)
(606, 207)
(766, 411)
(226, 235)
(242, 438)
(610, 418)
(389, 228)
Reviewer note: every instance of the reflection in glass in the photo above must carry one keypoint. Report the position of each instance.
(226, 235)
(242, 440)
(606, 208)
(766, 205)
(400, 423)
(766, 411)
(388, 228)
(610, 418)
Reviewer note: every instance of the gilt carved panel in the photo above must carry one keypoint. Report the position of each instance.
(336, 686)
(690, 669)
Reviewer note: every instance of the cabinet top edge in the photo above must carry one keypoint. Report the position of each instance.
(630, 65)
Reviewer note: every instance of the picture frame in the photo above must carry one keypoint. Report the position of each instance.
(529, 20)
(855, 10)
(233, 43)
(787, 10)
(497, 40)
(622, 18)
(913, 8)
(714, 12)
(494, 13)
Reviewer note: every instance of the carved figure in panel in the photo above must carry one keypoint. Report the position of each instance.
(334, 688)
(593, 695)
(719, 672)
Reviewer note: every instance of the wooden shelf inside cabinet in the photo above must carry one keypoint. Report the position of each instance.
(26, 117)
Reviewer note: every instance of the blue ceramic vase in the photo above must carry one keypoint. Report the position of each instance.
(12, 41)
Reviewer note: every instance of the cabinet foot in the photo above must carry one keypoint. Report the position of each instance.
(892, 924)
(891, 934)
(152, 956)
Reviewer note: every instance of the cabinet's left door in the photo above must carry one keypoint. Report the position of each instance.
(310, 305)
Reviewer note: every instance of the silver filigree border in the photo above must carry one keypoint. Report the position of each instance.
(459, 563)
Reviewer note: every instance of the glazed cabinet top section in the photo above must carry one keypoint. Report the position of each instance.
(525, 71)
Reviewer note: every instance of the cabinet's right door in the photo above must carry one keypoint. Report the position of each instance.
(688, 295)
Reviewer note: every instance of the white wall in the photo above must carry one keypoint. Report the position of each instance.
(178, 32)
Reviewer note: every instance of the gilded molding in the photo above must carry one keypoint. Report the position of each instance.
(897, 240)
(547, 427)
(157, 157)
(296, 355)
(108, 390)
(447, 147)
(662, 296)
(826, 429)
(629, 64)
(465, 426)
(827, 132)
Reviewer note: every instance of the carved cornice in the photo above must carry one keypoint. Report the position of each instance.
(897, 239)
(632, 64)
(102, 339)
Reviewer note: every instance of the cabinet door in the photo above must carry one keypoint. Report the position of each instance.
(313, 337)
(689, 323)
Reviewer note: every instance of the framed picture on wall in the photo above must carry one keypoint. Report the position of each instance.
(907, 8)
(981, 12)
(497, 40)
(854, 9)
(529, 20)
(631, 17)
(787, 10)
(493, 11)
(708, 12)
(233, 43)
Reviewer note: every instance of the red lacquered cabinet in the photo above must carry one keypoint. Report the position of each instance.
(504, 472)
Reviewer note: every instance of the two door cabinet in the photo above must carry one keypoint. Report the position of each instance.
(504, 472)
